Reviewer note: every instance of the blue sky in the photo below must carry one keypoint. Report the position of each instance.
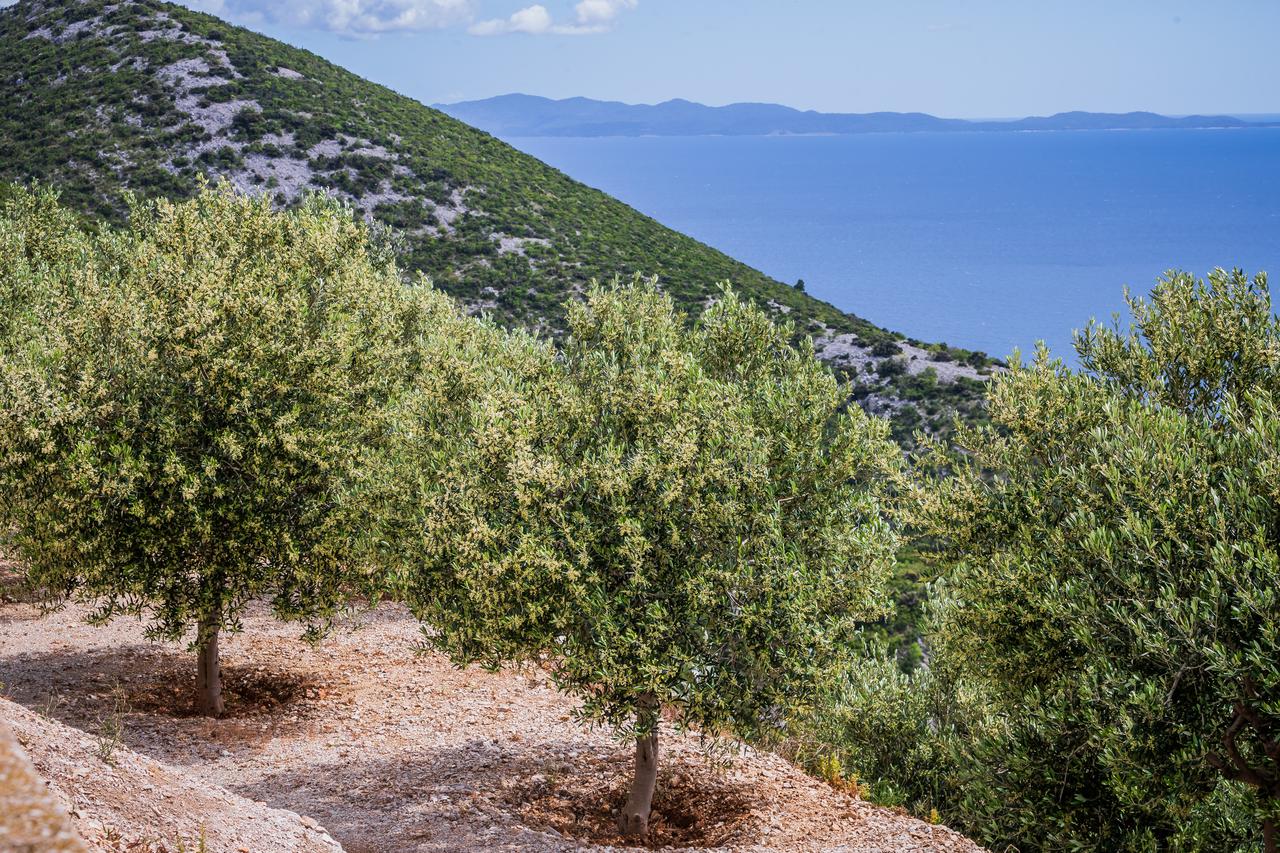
(968, 58)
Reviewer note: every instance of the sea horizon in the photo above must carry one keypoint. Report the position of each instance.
(983, 240)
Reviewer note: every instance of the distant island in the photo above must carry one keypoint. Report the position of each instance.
(530, 115)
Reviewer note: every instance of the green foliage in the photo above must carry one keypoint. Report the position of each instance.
(937, 742)
(1116, 591)
(885, 348)
(893, 731)
(901, 630)
(686, 513)
(891, 367)
(932, 406)
(186, 404)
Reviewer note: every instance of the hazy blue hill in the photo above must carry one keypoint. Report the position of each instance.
(1117, 121)
(529, 115)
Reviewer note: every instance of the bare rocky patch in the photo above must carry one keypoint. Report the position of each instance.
(166, 28)
(849, 351)
(516, 245)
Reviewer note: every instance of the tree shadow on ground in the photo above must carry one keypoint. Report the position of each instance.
(482, 796)
(688, 810)
(151, 688)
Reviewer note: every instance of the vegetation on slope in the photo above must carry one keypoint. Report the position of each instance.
(1103, 659)
(99, 96)
(1102, 668)
(663, 516)
(146, 95)
(221, 402)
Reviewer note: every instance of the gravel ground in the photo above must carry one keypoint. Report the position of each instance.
(120, 801)
(393, 750)
(33, 818)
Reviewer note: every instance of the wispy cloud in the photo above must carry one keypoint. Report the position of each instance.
(590, 17)
(360, 18)
(534, 20)
(601, 12)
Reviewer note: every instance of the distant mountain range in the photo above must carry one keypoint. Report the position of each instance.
(529, 115)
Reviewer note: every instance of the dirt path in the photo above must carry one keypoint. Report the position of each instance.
(395, 751)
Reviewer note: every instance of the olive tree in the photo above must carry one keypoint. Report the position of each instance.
(664, 515)
(1116, 535)
(188, 404)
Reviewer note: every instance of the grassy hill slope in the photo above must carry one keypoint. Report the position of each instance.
(97, 97)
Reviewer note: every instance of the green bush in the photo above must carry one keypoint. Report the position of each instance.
(1116, 582)
(885, 348)
(876, 730)
(890, 367)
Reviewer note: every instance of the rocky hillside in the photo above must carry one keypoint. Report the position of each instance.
(97, 97)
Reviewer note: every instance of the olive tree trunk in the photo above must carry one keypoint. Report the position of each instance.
(633, 820)
(1235, 764)
(209, 671)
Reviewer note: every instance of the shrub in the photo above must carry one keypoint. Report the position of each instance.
(890, 367)
(184, 420)
(1117, 580)
(662, 515)
(895, 732)
(885, 347)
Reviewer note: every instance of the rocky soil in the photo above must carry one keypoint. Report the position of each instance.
(118, 800)
(387, 748)
(32, 817)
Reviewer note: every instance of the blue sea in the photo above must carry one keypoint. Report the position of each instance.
(988, 241)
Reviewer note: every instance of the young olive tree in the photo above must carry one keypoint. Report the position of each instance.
(1116, 534)
(187, 404)
(664, 515)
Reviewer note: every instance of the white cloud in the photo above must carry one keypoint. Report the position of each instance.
(592, 16)
(348, 17)
(598, 12)
(534, 20)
